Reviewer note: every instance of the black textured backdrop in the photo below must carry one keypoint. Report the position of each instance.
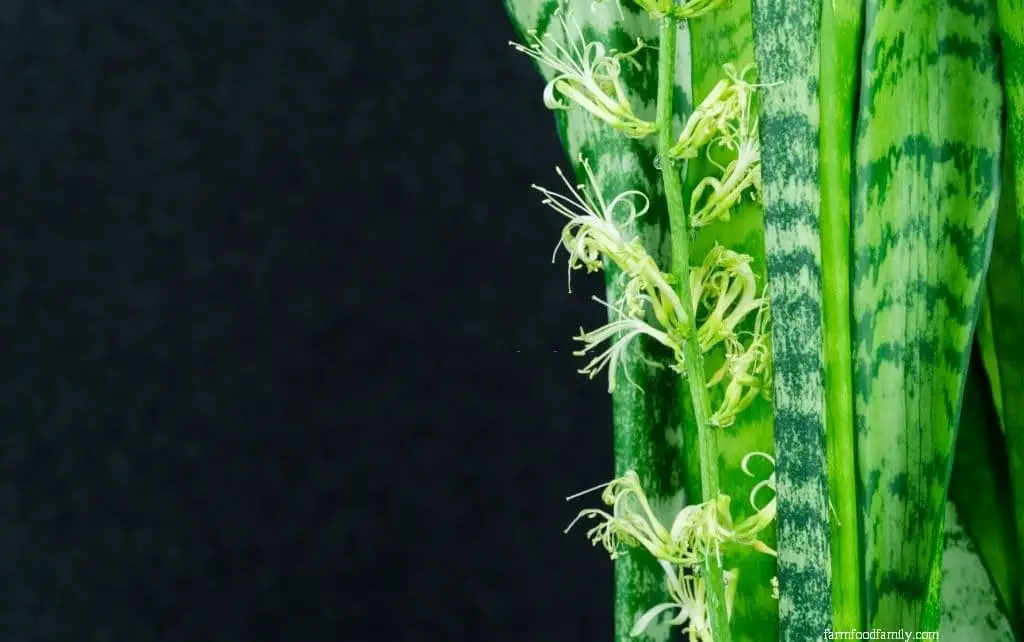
(284, 358)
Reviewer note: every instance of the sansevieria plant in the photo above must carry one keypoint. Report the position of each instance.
(809, 218)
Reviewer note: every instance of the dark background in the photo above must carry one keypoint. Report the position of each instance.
(284, 357)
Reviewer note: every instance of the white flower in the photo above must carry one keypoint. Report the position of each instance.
(748, 369)
(592, 235)
(687, 591)
(588, 75)
(747, 532)
(726, 285)
(703, 528)
(592, 232)
(688, 597)
(621, 332)
(631, 522)
(737, 127)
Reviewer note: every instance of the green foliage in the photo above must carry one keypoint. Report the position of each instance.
(857, 173)
(926, 188)
(787, 53)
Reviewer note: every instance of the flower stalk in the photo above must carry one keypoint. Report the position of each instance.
(687, 311)
(708, 440)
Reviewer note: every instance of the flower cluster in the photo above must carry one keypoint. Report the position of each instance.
(688, 594)
(592, 236)
(725, 285)
(724, 119)
(587, 74)
(724, 294)
(696, 532)
(718, 114)
(748, 369)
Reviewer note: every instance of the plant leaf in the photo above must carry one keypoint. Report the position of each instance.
(985, 338)
(980, 490)
(926, 188)
(840, 62)
(785, 37)
(1003, 354)
(1006, 283)
(1011, 27)
(971, 609)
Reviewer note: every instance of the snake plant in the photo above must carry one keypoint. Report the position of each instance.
(807, 215)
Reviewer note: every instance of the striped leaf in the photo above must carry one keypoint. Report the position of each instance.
(926, 188)
(788, 57)
(1011, 27)
(646, 420)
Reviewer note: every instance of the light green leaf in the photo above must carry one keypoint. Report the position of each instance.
(926, 188)
(840, 63)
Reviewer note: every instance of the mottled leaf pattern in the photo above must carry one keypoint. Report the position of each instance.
(1011, 28)
(971, 610)
(926, 188)
(787, 58)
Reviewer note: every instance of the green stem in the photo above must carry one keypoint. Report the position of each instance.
(708, 440)
(840, 45)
